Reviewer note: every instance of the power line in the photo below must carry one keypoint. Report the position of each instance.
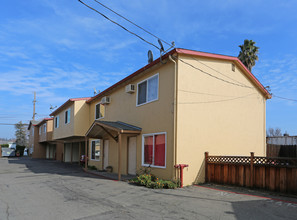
(118, 24)
(202, 93)
(11, 124)
(216, 101)
(218, 78)
(279, 97)
(132, 22)
(218, 71)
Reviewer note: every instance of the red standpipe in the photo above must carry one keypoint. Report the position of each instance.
(181, 167)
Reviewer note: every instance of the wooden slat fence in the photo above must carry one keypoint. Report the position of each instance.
(275, 174)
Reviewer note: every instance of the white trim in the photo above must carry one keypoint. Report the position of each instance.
(99, 103)
(95, 150)
(142, 153)
(157, 74)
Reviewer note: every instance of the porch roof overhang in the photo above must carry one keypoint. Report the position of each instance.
(99, 128)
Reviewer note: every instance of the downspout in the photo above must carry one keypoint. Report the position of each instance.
(174, 116)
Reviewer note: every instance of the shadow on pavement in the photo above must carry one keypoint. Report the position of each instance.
(43, 166)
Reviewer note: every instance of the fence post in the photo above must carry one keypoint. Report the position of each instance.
(252, 169)
(206, 167)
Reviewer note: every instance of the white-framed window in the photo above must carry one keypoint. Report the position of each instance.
(96, 149)
(44, 128)
(40, 130)
(154, 150)
(148, 90)
(57, 121)
(99, 111)
(67, 116)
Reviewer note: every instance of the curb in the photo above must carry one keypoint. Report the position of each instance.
(96, 174)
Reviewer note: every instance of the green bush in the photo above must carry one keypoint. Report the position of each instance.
(20, 149)
(4, 145)
(92, 168)
(151, 181)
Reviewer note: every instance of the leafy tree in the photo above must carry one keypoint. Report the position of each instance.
(20, 134)
(248, 54)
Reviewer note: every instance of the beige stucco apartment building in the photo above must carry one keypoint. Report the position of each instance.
(167, 113)
(70, 123)
(44, 146)
(176, 110)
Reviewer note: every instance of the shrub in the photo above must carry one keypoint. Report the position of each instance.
(4, 145)
(151, 181)
(92, 168)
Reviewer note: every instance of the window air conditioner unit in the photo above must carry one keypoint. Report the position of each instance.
(105, 100)
(130, 88)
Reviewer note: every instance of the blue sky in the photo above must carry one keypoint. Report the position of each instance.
(62, 50)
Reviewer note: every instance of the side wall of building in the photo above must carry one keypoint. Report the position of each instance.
(81, 114)
(39, 149)
(64, 130)
(59, 150)
(216, 116)
(153, 117)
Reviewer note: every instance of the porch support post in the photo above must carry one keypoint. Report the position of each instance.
(79, 152)
(86, 152)
(119, 156)
(71, 152)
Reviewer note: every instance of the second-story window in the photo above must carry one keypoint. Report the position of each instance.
(99, 111)
(44, 128)
(67, 116)
(57, 121)
(40, 130)
(147, 90)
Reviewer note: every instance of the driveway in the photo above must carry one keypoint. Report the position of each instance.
(41, 189)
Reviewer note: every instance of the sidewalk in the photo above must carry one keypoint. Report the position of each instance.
(110, 176)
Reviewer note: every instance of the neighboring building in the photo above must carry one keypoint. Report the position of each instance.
(282, 140)
(282, 146)
(44, 145)
(31, 135)
(171, 112)
(71, 121)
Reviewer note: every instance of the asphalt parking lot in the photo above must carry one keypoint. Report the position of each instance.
(42, 189)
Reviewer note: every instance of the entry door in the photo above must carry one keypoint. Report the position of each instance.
(132, 156)
(106, 146)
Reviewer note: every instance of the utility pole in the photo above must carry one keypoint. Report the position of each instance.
(34, 101)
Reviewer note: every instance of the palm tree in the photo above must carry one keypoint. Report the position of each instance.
(248, 54)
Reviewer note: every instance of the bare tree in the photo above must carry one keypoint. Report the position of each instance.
(271, 132)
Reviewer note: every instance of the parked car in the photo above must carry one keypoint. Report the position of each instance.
(8, 152)
(12, 145)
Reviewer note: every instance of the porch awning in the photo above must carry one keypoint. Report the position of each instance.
(99, 128)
